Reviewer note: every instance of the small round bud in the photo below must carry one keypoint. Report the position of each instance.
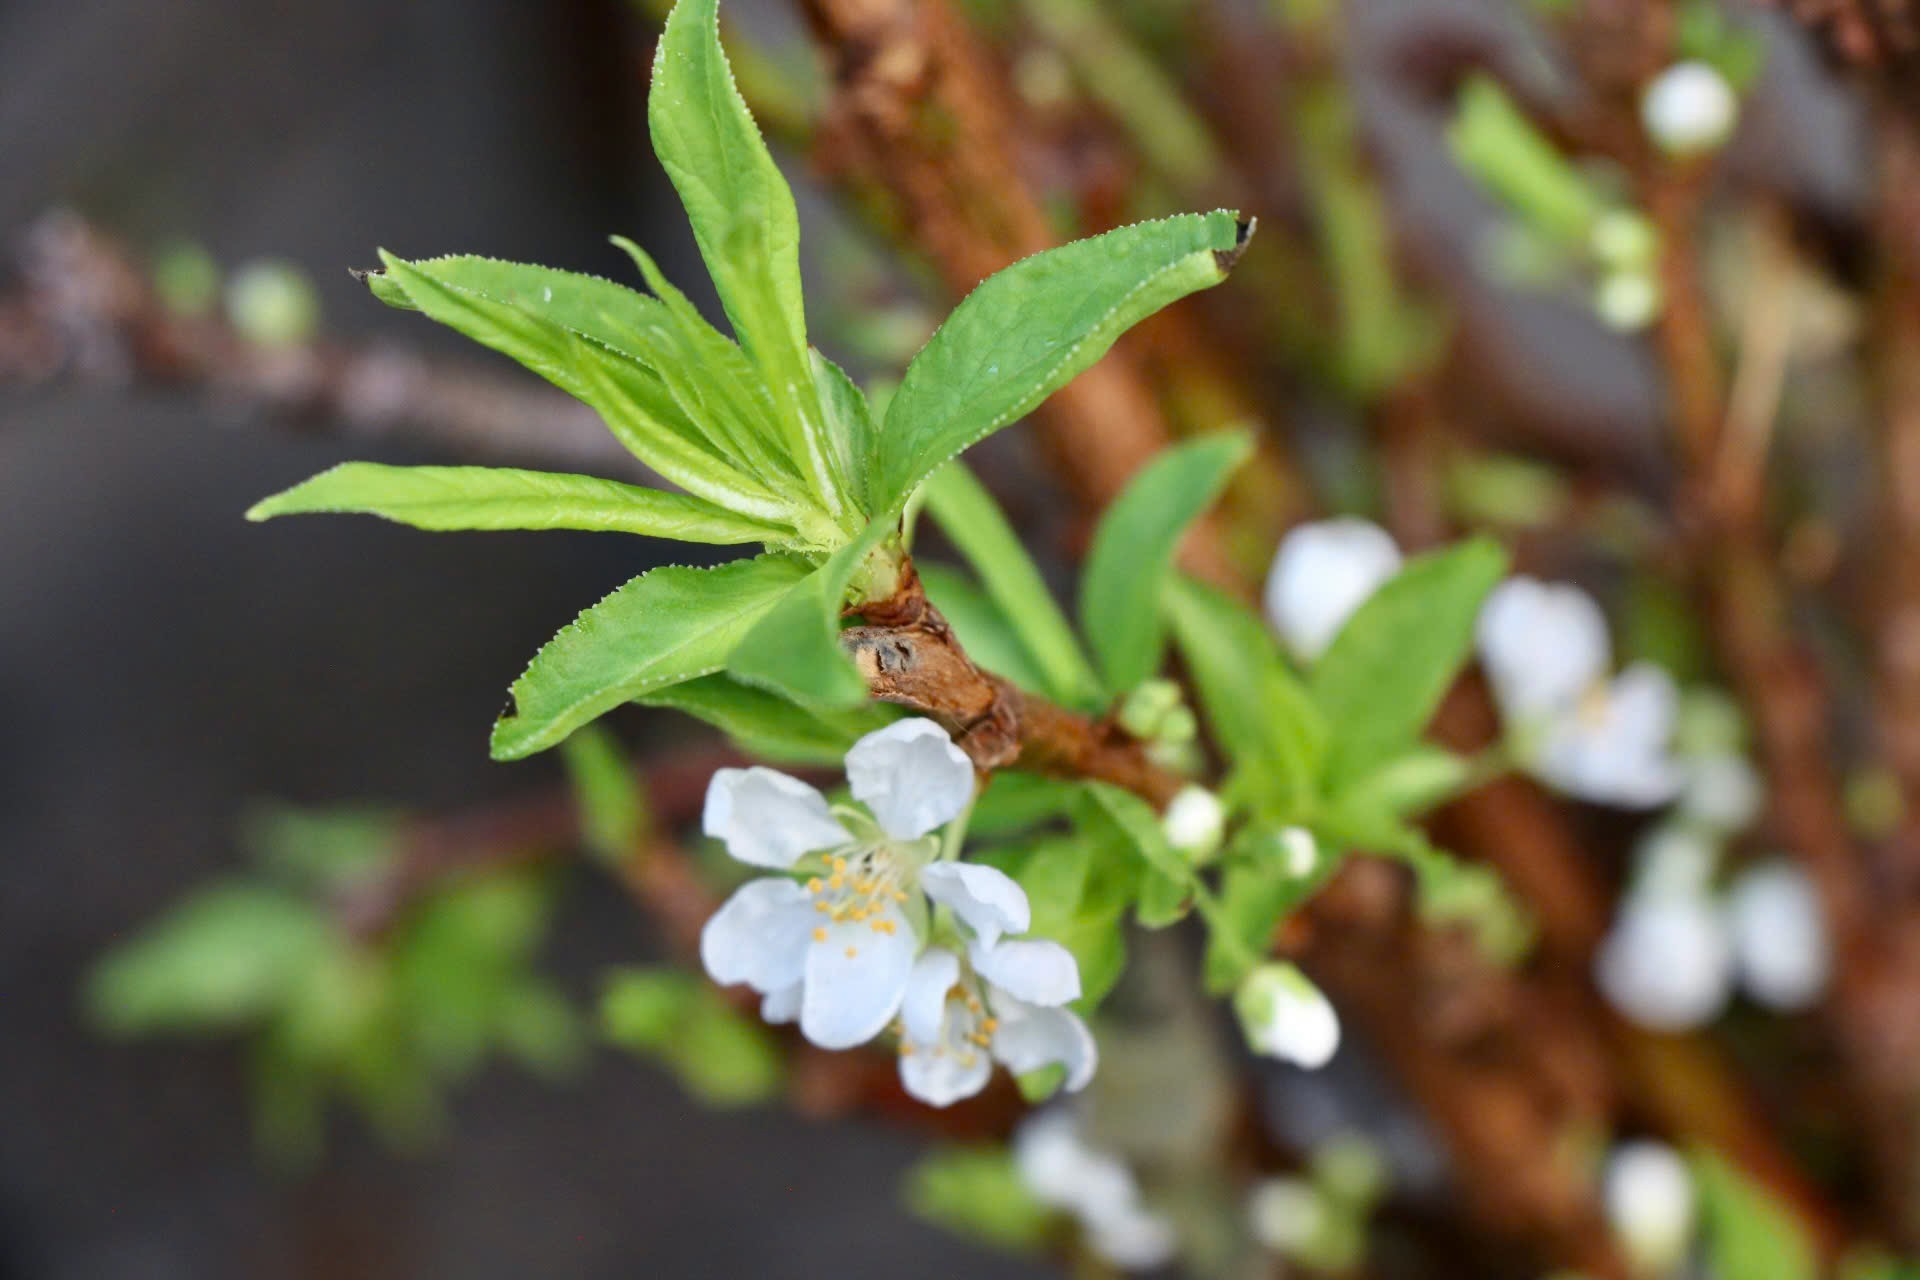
(1299, 851)
(1624, 240)
(1650, 1204)
(1665, 964)
(1195, 823)
(1689, 108)
(1627, 300)
(1779, 936)
(187, 279)
(272, 304)
(1287, 1215)
(1143, 712)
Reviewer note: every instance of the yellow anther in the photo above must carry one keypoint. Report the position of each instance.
(820, 935)
(836, 882)
(839, 865)
(823, 906)
(852, 952)
(906, 1048)
(815, 885)
(899, 895)
(990, 1025)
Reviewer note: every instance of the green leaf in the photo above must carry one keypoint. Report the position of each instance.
(974, 523)
(228, 956)
(1028, 330)
(977, 1193)
(1133, 551)
(982, 628)
(719, 1056)
(848, 416)
(442, 498)
(1386, 671)
(1014, 801)
(795, 649)
(767, 726)
(665, 626)
(743, 220)
(593, 358)
(1167, 878)
(613, 810)
(1424, 778)
(1750, 1236)
(1256, 890)
(1260, 714)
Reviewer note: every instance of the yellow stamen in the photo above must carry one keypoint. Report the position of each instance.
(820, 935)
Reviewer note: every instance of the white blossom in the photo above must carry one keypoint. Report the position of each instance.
(1689, 107)
(1666, 964)
(1322, 573)
(1286, 1214)
(836, 949)
(1300, 851)
(1779, 936)
(1285, 1016)
(1061, 1171)
(1194, 822)
(1649, 1200)
(1546, 653)
(957, 1020)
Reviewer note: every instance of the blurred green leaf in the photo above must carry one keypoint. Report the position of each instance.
(719, 1056)
(976, 1192)
(1750, 1236)
(1396, 657)
(227, 956)
(613, 809)
(1133, 550)
(973, 521)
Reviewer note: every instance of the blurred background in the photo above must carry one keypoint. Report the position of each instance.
(1487, 294)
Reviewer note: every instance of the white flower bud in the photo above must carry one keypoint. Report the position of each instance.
(1284, 1016)
(1322, 573)
(1627, 300)
(1779, 936)
(1299, 851)
(1689, 107)
(1195, 823)
(1723, 792)
(273, 304)
(1650, 1204)
(1665, 964)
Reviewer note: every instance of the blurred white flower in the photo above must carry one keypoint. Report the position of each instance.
(1627, 301)
(1689, 107)
(1285, 1016)
(1665, 964)
(1723, 792)
(1300, 850)
(1779, 936)
(1322, 573)
(1003, 1003)
(1060, 1170)
(837, 950)
(1194, 823)
(1649, 1199)
(1675, 859)
(1546, 653)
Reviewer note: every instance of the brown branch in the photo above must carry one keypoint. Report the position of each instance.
(82, 309)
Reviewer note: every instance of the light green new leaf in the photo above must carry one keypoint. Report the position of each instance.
(974, 523)
(1133, 552)
(609, 798)
(441, 498)
(1261, 716)
(1393, 661)
(1167, 877)
(1750, 1234)
(795, 649)
(666, 626)
(480, 299)
(1027, 330)
(849, 420)
(743, 220)
(767, 726)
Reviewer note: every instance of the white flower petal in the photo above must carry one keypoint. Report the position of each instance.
(1030, 1037)
(985, 898)
(1034, 970)
(768, 819)
(1689, 107)
(1650, 1204)
(1779, 936)
(759, 936)
(941, 1076)
(912, 777)
(781, 1006)
(1665, 964)
(1613, 748)
(1322, 573)
(924, 1008)
(856, 978)
(1285, 1016)
(1543, 646)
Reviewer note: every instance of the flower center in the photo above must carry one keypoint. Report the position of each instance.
(1591, 710)
(861, 886)
(966, 1028)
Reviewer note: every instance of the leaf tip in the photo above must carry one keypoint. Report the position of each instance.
(1243, 229)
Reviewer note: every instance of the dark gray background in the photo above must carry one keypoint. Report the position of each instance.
(162, 663)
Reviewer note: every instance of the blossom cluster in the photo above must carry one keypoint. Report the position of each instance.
(869, 922)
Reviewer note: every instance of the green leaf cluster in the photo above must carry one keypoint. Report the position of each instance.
(720, 1056)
